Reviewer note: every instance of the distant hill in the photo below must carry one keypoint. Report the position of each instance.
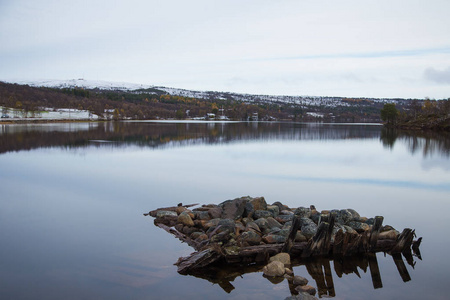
(137, 101)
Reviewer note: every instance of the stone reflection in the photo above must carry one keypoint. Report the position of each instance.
(319, 269)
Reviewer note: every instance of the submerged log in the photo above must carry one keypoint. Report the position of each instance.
(197, 260)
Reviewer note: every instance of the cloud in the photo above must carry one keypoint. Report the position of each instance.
(441, 77)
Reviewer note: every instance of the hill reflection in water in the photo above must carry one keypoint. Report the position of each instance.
(172, 134)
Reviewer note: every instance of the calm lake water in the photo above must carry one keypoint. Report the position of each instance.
(73, 197)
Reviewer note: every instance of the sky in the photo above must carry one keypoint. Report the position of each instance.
(355, 48)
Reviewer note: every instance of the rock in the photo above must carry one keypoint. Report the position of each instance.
(281, 206)
(245, 221)
(185, 219)
(315, 218)
(211, 223)
(273, 239)
(202, 237)
(200, 223)
(358, 226)
(302, 296)
(179, 227)
(346, 216)
(195, 235)
(274, 269)
(220, 237)
(284, 218)
(308, 227)
(273, 223)
(188, 230)
(284, 232)
(226, 224)
(258, 214)
(299, 280)
(166, 217)
(287, 225)
(388, 235)
(239, 227)
(370, 221)
(263, 225)
(306, 289)
(252, 226)
(303, 212)
(274, 210)
(299, 237)
(259, 203)
(355, 215)
(180, 209)
(215, 212)
(254, 204)
(233, 209)
(202, 215)
(285, 258)
(166, 213)
(349, 229)
(250, 237)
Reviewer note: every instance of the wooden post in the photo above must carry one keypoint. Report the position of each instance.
(291, 237)
(375, 232)
(404, 241)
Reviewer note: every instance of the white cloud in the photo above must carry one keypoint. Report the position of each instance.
(282, 47)
(442, 77)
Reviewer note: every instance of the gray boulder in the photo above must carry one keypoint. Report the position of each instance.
(303, 212)
(233, 209)
(250, 237)
(308, 227)
(258, 214)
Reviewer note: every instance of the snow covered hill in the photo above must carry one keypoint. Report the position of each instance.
(305, 101)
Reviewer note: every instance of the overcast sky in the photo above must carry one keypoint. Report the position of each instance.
(324, 48)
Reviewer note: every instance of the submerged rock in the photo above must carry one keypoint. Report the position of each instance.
(299, 280)
(306, 289)
(285, 258)
(274, 269)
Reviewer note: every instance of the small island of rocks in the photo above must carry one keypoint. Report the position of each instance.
(247, 230)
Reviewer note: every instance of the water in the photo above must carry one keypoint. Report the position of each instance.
(73, 195)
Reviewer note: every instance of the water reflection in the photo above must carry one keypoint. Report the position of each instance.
(157, 134)
(429, 143)
(319, 269)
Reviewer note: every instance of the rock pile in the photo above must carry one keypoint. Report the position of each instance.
(248, 221)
